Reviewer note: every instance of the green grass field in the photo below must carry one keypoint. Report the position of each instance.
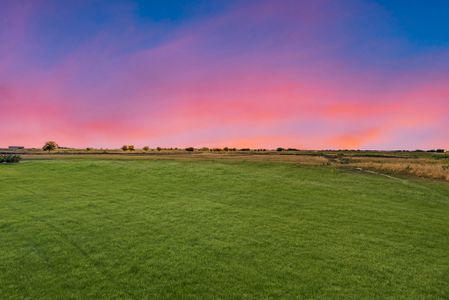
(92, 228)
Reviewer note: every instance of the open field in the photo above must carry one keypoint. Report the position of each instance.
(142, 226)
(431, 165)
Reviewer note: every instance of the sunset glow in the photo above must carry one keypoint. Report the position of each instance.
(291, 73)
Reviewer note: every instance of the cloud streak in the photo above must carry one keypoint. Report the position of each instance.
(265, 74)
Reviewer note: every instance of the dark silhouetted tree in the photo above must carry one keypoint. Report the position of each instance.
(50, 146)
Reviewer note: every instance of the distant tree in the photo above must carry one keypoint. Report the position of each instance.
(158, 148)
(50, 146)
(131, 147)
(190, 149)
(146, 148)
(88, 149)
(125, 147)
(279, 149)
(225, 149)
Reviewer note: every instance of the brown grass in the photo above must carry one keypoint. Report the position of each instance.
(429, 168)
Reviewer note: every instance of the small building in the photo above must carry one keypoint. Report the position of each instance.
(15, 147)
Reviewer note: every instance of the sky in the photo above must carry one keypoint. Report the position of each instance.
(321, 74)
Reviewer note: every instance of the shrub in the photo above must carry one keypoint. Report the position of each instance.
(190, 149)
(245, 149)
(279, 149)
(146, 148)
(125, 147)
(131, 147)
(225, 149)
(50, 146)
(10, 158)
(158, 148)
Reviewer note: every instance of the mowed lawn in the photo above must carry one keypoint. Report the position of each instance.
(212, 229)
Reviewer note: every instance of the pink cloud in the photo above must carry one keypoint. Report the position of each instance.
(256, 76)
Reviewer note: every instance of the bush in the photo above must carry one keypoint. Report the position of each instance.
(10, 158)
(190, 149)
(131, 147)
(146, 148)
(158, 148)
(279, 149)
(125, 147)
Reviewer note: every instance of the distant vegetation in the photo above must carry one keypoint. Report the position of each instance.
(50, 146)
(128, 148)
(10, 158)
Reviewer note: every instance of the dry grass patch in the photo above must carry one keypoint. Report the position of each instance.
(429, 168)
